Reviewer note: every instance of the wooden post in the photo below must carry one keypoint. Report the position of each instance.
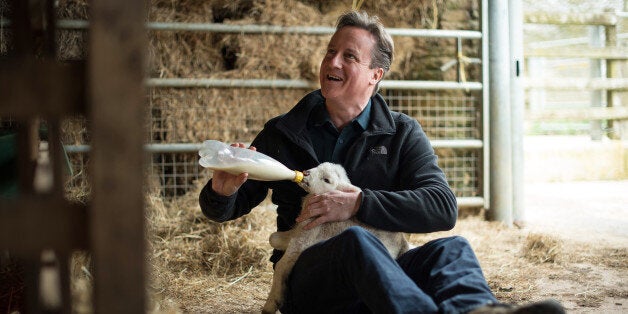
(35, 86)
(612, 71)
(116, 72)
(595, 40)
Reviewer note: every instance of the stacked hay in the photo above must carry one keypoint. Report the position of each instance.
(237, 114)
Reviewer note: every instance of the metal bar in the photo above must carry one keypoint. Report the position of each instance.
(273, 29)
(500, 114)
(473, 144)
(116, 62)
(194, 147)
(485, 54)
(234, 83)
(517, 105)
(468, 202)
(304, 84)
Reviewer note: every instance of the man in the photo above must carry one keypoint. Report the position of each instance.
(388, 155)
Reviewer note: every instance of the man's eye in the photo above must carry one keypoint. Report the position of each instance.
(350, 57)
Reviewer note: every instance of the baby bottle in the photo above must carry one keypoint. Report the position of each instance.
(216, 155)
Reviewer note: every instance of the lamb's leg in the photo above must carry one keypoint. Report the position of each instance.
(279, 240)
(280, 276)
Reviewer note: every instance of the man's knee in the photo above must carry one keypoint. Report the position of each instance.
(452, 242)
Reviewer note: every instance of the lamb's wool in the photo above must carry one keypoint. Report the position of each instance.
(324, 178)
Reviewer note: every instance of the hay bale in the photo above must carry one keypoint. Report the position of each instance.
(541, 248)
(181, 239)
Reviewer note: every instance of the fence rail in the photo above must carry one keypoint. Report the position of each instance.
(605, 79)
(194, 147)
(281, 83)
(271, 29)
(582, 114)
(617, 84)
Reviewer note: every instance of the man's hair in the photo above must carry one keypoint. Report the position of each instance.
(382, 53)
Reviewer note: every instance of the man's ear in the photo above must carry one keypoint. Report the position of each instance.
(377, 75)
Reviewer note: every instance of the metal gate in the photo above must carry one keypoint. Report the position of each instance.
(451, 112)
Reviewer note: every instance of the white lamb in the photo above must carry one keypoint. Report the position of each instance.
(324, 178)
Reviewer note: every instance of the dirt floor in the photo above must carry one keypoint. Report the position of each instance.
(593, 215)
(572, 249)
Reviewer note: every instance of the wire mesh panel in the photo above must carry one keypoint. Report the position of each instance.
(463, 170)
(175, 172)
(443, 115)
(237, 115)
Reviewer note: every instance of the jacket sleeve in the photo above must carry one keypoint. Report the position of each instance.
(223, 208)
(423, 201)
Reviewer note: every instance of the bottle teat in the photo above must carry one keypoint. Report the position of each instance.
(298, 176)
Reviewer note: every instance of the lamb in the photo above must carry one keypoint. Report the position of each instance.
(324, 178)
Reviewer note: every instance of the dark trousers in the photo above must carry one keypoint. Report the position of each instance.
(353, 273)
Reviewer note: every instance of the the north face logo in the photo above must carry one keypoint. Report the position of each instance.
(379, 150)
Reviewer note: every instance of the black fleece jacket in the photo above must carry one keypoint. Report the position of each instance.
(393, 162)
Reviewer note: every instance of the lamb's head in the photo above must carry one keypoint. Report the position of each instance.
(324, 178)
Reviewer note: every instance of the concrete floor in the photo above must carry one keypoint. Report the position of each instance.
(586, 210)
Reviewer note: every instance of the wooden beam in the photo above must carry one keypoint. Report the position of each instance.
(561, 18)
(586, 53)
(116, 71)
(582, 114)
(560, 83)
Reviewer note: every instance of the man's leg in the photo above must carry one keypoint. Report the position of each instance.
(448, 270)
(352, 272)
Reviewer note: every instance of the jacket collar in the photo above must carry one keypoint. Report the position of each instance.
(294, 122)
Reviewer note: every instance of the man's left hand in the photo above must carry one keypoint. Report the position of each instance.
(330, 206)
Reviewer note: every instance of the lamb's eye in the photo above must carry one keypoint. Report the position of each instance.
(326, 180)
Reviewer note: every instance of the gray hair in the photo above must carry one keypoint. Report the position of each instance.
(382, 54)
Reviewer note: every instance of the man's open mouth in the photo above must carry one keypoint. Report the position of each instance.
(333, 78)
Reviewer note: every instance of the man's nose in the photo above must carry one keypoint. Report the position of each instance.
(336, 61)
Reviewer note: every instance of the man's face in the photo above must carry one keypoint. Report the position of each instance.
(345, 75)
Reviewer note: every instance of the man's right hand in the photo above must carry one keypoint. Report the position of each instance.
(227, 184)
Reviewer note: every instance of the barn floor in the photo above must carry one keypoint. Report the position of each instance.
(573, 249)
(594, 214)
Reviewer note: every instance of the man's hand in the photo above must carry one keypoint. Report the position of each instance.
(330, 206)
(227, 184)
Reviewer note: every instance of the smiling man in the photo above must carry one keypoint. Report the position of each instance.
(390, 158)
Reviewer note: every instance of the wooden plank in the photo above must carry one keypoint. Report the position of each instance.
(561, 18)
(560, 83)
(582, 114)
(117, 47)
(38, 87)
(586, 53)
(31, 223)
